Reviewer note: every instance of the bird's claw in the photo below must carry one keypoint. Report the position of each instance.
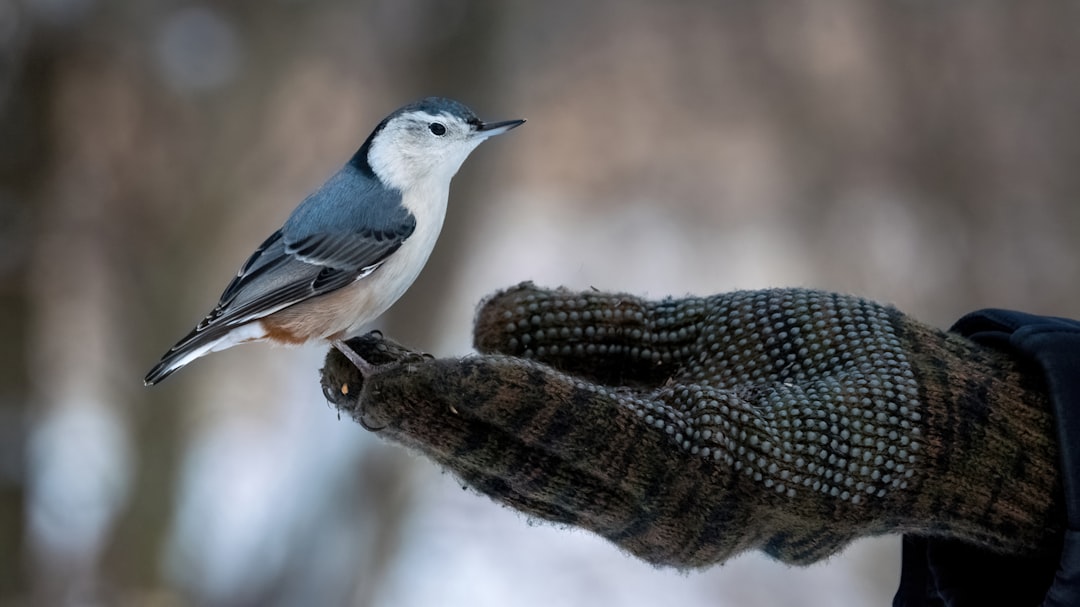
(358, 361)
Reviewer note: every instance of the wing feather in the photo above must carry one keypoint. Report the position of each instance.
(339, 234)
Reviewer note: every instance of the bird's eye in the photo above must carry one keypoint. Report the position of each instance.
(437, 128)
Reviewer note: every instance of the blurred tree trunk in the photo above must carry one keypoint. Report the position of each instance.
(99, 114)
(23, 97)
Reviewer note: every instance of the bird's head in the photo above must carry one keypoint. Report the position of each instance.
(425, 142)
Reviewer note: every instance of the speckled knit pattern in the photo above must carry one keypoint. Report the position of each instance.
(688, 430)
(837, 399)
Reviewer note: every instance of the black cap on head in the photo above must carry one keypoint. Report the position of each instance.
(440, 105)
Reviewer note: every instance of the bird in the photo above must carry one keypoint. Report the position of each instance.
(352, 247)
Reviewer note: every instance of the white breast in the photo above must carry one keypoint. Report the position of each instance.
(378, 291)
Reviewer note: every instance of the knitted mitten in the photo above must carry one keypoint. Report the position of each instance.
(688, 430)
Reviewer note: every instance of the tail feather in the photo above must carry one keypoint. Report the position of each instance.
(197, 345)
(177, 358)
(160, 371)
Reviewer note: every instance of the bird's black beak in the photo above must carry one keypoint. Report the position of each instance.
(490, 129)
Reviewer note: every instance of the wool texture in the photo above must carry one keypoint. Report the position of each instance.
(689, 430)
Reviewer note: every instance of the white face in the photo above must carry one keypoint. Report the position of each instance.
(421, 149)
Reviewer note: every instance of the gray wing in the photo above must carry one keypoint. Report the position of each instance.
(340, 233)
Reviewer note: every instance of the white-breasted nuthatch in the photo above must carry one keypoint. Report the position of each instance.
(351, 248)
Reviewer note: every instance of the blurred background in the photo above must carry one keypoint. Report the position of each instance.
(919, 153)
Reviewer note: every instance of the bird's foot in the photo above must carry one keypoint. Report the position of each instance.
(365, 367)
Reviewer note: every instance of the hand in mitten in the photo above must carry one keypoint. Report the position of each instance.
(688, 430)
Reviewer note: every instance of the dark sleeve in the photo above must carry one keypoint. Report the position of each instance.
(937, 572)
